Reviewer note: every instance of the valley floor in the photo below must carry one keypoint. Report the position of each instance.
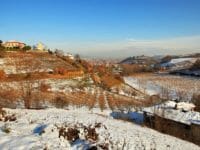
(167, 86)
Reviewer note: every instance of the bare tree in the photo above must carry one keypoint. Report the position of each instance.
(26, 65)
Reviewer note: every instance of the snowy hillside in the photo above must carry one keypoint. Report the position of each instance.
(179, 63)
(80, 129)
(179, 60)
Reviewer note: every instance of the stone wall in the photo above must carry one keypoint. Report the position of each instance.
(184, 131)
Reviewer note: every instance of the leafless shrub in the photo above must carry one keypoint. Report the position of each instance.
(102, 102)
(79, 98)
(196, 101)
(60, 101)
(71, 134)
(44, 87)
(111, 102)
(6, 128)
(165, 93)
(91, 101)
(8, 97)
(153, 99)
(10, 118)
(5, 117)
(181, 95)
(91, 134)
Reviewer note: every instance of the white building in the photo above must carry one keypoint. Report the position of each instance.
(40, 47)
(70, 56)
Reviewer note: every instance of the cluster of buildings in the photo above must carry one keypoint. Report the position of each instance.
(40, 47)
(16, 44)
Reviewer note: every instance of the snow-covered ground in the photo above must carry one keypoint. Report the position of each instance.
(167, 86)
(39, 129)
(179, 60)
(148, 87)
(179, 63)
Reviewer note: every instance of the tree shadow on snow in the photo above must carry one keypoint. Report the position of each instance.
(39, 129)
(135, 117)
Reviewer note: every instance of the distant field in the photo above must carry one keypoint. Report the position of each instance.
(168, 86)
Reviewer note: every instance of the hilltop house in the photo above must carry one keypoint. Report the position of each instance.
(14, 44)
(40, 47)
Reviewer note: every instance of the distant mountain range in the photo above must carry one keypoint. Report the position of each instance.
(158, 59)
(175, 64)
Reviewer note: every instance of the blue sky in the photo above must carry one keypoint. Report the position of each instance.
(99, 27)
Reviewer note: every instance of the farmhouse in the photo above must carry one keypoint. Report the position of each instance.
(14, 44)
